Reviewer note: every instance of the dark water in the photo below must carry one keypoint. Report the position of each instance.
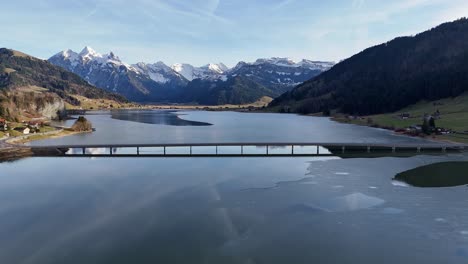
(445, 174)
(155, 117)
(229, 210)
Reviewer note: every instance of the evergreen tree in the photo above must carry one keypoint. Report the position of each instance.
(428, 125)
(432, 123)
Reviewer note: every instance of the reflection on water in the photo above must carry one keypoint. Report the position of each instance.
(444, 174)
(170, 118)
(203, 150)
(227, 210)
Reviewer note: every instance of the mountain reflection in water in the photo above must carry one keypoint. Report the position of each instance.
(155, 117)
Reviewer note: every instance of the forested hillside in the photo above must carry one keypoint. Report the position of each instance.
(385, 78)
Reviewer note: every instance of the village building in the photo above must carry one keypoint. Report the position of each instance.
(35, 124)
(3, 125)
(24, 130)
(405, 116)
(443, 131)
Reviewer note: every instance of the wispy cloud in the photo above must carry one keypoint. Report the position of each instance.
(200, 31)
(358, 3)
(203, 11)
(92, 12)
(282, 4)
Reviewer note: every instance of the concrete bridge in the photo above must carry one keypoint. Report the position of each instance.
(254, 149)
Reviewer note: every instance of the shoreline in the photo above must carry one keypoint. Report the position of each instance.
(434, 138)
(13, 148)
(19, 141)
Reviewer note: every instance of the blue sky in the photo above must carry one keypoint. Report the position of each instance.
(202, 31)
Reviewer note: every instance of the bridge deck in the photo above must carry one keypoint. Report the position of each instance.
(256, 149)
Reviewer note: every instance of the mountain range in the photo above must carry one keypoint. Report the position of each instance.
(31, 87)
(184, 83)
(388, 77)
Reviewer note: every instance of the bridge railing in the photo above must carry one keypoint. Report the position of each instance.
(242, 149)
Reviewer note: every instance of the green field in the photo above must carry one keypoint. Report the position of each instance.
(14, 133)
(453, 115)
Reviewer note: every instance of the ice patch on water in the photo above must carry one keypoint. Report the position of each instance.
(337, 186)
(351, 202)
(341, 173)
(372, 187)
(399, 183)
(441, 220)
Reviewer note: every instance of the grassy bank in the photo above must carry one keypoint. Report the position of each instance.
(453, 115)
(33, 137)
(99, 104)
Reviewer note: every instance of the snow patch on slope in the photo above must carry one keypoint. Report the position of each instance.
(209, 71)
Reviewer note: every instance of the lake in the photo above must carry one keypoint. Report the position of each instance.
(227, 210)
(145, 126)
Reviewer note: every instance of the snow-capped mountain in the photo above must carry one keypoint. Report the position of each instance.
(86, 56)
(282, 73)
(157, 82)
(247, 82)
(287, 62)
(159, 72)
(316, 65)
(103, 71)
(140, 82)
(209, 71)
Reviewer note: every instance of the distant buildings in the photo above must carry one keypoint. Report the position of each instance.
(24, 130)
(405, 116)
(25, 127)
(34, 124)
